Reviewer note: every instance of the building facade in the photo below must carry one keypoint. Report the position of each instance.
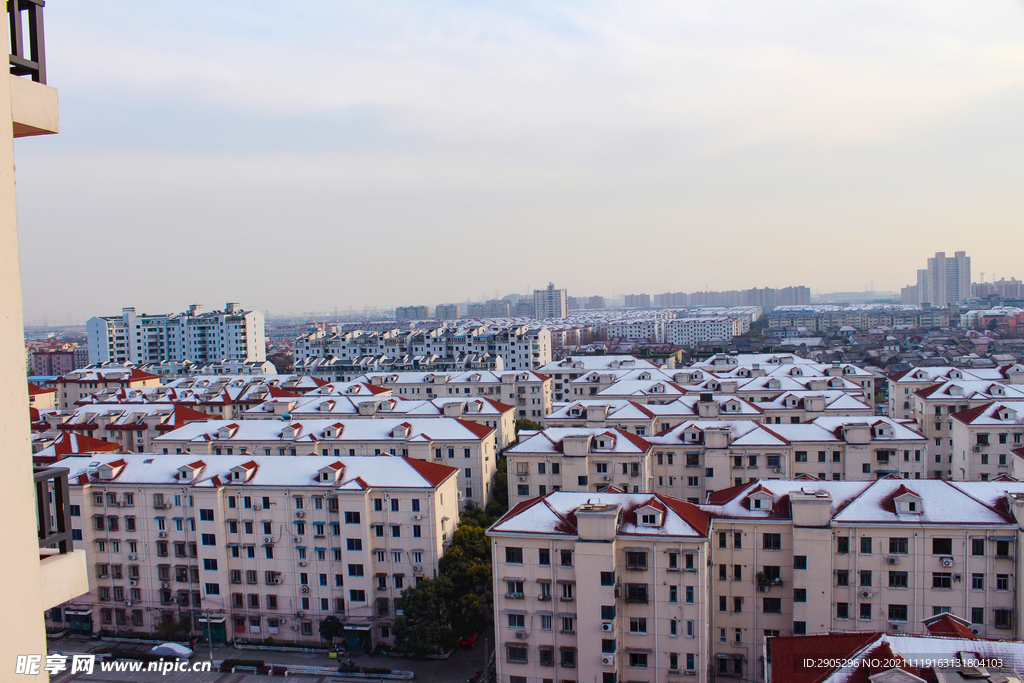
(549, 303)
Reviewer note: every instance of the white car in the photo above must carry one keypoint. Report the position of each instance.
(172, 650)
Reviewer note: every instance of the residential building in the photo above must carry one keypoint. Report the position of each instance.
(53, 362)
(446, 311)
(230, 334)
(451, 441)
(549, 303)
(601, 587)
(407, 313)
(80, 384)
(636, 301)
(693, 331)
(132, 426)
(529, 392)
(984, 439)
(41, 567)
(253, 547)
(568, 369)
(650, 418)
(946, 280)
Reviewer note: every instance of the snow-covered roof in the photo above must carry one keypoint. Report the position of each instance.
(312, 431)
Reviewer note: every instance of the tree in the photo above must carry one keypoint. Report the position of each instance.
(174, 630)
(425, 626)
(282, 361)
(467, 563)
(522, 423)
(499, 484)
(331, 628)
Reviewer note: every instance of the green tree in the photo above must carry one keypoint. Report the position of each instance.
(499, 483)
(425, 626)
(331, 628)
(529, 425)
(174, 630)
(467, 563)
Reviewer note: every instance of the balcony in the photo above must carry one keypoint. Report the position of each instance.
(33, 103)
(63, 569)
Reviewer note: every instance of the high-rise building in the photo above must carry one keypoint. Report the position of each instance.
(407, 313)
(231, 334)
(447, 312)
(947, 280)
(550, 302)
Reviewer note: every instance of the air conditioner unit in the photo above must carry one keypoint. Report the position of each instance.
(128, 603)
(305, 589)
(257, 507)
(163, 585)
(131, 557)
(608, 660)
(977, 448)
(607, 478)
(947, 562)
(957, 577)
(298, 540)
(162, 534)
(267, 540)
(276, 580)
(301, 614)
(303, 563)
(417, 568)
(894, 626)
(417, 516)
(133, 582)
(894, 560)
(522, 635)
(299, 514)
(778, 469)
(522, 478)
(866, 594)
(762, 589)
(607, 626)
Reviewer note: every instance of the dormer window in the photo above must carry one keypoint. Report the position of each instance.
(648, 520)
(648, 516)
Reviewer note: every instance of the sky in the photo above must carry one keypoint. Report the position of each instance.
(307, 156)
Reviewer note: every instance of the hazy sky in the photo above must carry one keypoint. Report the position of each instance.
(303, 156)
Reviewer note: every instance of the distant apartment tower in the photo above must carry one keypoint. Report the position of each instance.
(492, 308)
(447, 312)
(947, 280)
(550, 302)
(595, 303)
(637, 301)
(407, 313)
(231, 334)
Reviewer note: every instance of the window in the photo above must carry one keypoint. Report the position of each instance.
(842, 610)
(1002, 549)
(898, 546)
(942, 580)
(842, 577)
(773, 541)
(865, 610)
(209, 539)
(517, 621)
(942, 546)
(547, 655)
(636, 560)
(543, 557)
(1004, 618)
(607, 578)
(351, 517)
(799, 562)
(638, 660)
(799, 628)
(515, 653)
(865, 578)
(977, 615)
(898, 580)
(865, 545)
(772, 606)
(977, 582)
(799, 595)
(843, 545)
(205, 515)
(636, 593)
(637, 625)
(978, 547)
(897, 612)
(566, 558)
(514, 555)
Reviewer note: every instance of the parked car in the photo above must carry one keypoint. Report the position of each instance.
(467, 641)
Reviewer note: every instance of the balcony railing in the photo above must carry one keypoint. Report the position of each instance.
(53, 517)
(32, 63)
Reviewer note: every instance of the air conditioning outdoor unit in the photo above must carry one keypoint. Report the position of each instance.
(977, 448)
(162, 534)
(131, 557)
(163, 585)
(303, 564)
(894, 560)
(299, 514)
(778, 469)
(607, 626)
(133, 582)
(608, 660)
(417, 516)
(257, 507)
(417, 568)
(128, 603)
(521, 635)
(267, 540)
(276, 580)
(522, 478)
(300, 614)
(607, 478)
(866, 594)
(894, 626)
(305, 589)
(947, 562)
(298, 540)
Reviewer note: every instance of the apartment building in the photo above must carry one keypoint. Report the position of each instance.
(468, 446)
(549, 303)
(821, 318)
(42, 398)
(529, 392)
(903, 385)
(520, 347)
(564, 371)
(232, 334)
(779, 366)
(901, 552)
(578, 459)
(407, 313)
(648, 419)
(250, 547)
(935, 405)
(628, 573)
(946, 280)
(52, 362)
(693, 331)
(795, 407)
(447, 312)
(77, 385)
(481, 410)
(648, 329)
(133, 427)
(984, 439)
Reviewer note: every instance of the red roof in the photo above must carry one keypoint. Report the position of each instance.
(430, 471)
(723, 496)
(789, 652)
(276, 392)
(374, 389)
(183, 415)
(638, 441)
(948, 625)
(498, 405)
(141, 376)
(73, 444)
(968, 416)
(478, 429)
(35, 390)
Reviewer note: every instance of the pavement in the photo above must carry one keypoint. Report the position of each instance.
(459, 668)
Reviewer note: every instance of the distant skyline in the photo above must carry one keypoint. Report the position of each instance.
(351, 155)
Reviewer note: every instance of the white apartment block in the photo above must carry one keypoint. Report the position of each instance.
(693, 331)
(132, 426)
(520, 347)
(799, 557)
(481, 410)
(550, 303)
(564, 371)
(649, 419)
(903, 385)
(450, 441)
(935, 405)
(528, 392)
(649, 329)
(988, 441)
(231, 334)
(81, 384)
(609, 587)
(699, 457)
(946, 280)
(254, 546)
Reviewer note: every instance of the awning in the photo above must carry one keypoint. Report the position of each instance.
(78, 612)
(212, 620)
(357, 627)
(1001, 538)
